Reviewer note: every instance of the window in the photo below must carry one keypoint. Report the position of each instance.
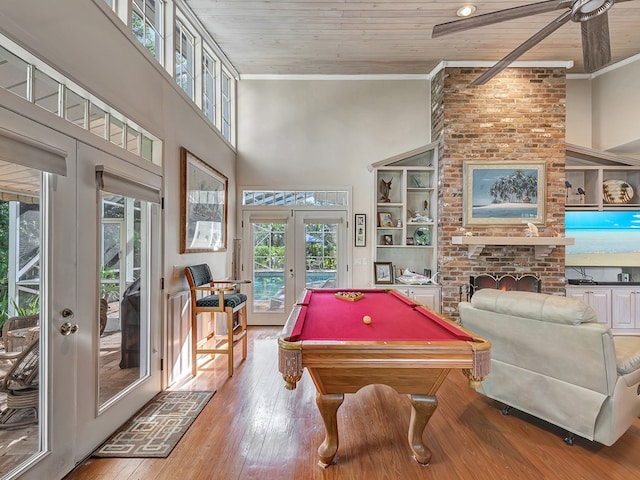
(226, 105)
(146, 23)
(269, 198)
(209, 87)
(97, 121)
(14, 73)
(116, 131)
(46, 92)
(185, 71)
(60, 96)
(74, 108)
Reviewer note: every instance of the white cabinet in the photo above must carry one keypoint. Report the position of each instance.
(427, 295)
(599, 298)
(625, 313)
(618, 307)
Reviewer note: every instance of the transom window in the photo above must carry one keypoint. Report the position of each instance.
(226, 105)
(146, 23)
(267, 198)
(47, 88)
(209, 87)
(185, 71)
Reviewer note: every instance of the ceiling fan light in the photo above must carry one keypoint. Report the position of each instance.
(583, 10)
(466, 11)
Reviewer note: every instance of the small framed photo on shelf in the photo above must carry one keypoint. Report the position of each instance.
(387, 239)
(360, 239)
(383, 272)
(410, 241)
(385, 219)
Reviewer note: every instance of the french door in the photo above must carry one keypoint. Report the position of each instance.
(287, 250)
(61, 198)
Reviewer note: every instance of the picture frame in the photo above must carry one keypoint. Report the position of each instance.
(203, 206)
(360, 237)
(489, 197)
(387, 239)
(385, 219)
(410, 241)
(383, 272)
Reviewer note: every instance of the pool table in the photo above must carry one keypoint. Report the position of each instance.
(405, 345)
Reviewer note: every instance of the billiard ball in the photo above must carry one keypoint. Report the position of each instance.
(366, 319)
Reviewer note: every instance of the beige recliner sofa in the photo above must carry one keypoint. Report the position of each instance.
(550, 358)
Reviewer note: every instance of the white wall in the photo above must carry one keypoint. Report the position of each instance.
(89, 44)
(603, 113)
(616, 107)
(319, 133)
(579, 123)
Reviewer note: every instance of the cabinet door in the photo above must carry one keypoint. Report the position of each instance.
(625, 310)
(429, 297)
(598, 299)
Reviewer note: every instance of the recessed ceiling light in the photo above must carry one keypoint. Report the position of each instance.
(466, 10)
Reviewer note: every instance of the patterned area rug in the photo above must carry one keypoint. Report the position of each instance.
(156, 429)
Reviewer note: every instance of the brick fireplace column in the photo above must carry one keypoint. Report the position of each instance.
(519, 116)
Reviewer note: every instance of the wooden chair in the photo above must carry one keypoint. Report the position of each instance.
(222, 297)
(15, 330)
(21, 384)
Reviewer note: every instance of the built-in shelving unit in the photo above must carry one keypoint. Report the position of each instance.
(405, 209)
(404, 220)
(601, 180)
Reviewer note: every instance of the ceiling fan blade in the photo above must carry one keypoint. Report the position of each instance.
(596, 43)
(498, 16)
(520, 50)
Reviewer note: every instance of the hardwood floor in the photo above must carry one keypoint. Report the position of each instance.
(255, 429)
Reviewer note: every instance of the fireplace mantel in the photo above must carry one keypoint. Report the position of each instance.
(542, 245)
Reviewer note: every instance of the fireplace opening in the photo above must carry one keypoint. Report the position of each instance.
(527, 282)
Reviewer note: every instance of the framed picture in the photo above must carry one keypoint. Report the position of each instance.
(410, 241)
(360, 238)
(383, 272)
(203, 206)
(503, 193)
(387, 240)
(385, 219)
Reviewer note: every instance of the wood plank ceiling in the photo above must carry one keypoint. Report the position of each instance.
(351, 37)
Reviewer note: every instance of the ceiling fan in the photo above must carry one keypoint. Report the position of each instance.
(592, 15)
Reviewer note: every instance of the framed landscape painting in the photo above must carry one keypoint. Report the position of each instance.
(503, 193)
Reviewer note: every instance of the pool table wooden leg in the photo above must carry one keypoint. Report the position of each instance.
(422, 407)
(328, 406)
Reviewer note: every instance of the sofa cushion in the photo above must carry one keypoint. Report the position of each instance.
(627, 353)
(536, 306)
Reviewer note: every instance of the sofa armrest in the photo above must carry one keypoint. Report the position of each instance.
(628, 358)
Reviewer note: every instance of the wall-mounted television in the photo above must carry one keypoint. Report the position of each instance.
(603, 239)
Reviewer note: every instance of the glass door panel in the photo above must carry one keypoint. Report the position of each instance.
(20, 240)
(269, 240)
(322, 258)
(123, 288)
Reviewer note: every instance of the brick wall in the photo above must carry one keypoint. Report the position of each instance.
(519, 116)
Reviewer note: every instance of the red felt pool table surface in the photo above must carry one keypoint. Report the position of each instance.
(394, 317)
